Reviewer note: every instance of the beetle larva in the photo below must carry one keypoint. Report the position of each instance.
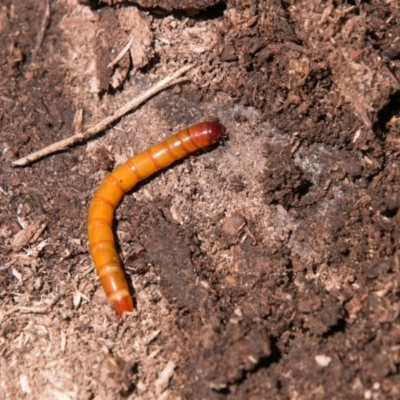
(120, 181)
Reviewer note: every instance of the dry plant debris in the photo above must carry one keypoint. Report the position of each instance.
(267, 267)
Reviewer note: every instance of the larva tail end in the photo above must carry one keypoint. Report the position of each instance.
(216, 131)
(122, 305)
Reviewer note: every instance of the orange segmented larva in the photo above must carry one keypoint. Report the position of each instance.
(120, 181)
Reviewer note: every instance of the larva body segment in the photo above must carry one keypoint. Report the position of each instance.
(115, 185)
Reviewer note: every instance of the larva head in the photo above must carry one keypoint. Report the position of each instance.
(215, 131)
(206, 133)
(123, 304)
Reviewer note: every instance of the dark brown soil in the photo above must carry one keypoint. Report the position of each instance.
(267, 267)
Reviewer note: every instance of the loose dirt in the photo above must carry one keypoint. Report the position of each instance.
(267, 267)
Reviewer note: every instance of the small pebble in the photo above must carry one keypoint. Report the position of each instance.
(322, 360)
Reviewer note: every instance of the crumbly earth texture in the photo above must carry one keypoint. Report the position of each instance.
(267, 266)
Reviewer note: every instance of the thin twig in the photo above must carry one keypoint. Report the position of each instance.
(94, 130)
(34, 310)
(42, 31)
(122, 53)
